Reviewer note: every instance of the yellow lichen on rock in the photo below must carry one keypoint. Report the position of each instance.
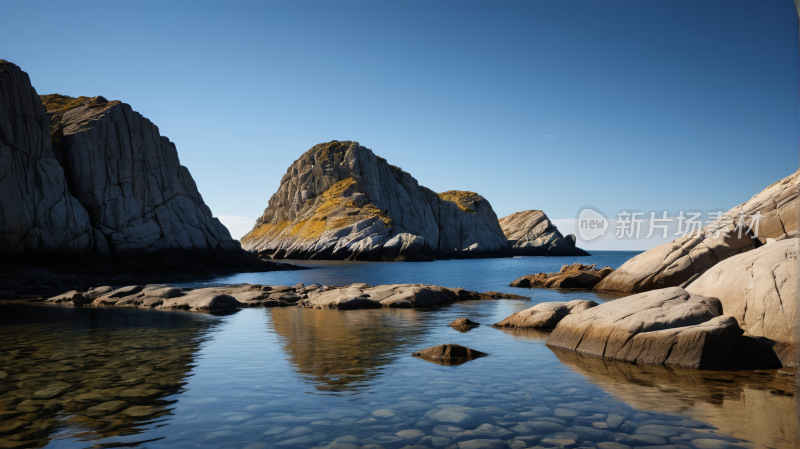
(265, 229)
(464, 199)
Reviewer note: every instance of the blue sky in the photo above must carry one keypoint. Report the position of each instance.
(552, 105)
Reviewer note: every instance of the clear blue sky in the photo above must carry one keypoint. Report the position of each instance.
(553, 105)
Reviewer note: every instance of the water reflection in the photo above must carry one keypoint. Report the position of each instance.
(341, 351)
(758, 406)
(90, 374)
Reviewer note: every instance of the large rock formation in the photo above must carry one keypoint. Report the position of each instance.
(341, 201)
(92, 182)
(577, 275)
(668, 326)
(39, 219)
(759, 288)
(531, 233)
(675, 263)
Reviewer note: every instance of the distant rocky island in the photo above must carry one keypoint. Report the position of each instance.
(90, 185)
(340, 200)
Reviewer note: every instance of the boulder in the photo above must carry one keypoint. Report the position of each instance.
(363, 296)
(669, 326)
(577, 276)
(759, 288)
(531, 233)
(72, 297)
(449, 354)
(678, 262)
(463, 324)
(341, 201)
(545, 315)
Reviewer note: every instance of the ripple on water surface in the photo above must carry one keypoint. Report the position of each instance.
(304, 378)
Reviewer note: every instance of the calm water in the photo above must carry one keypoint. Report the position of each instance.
(302, 378)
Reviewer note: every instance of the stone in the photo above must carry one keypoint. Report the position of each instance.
(453, 417)
(531, 233)
(759, 288)
(612, 445)
(449, 354)
(463, 324)
(678, 262)
(669, 326)
(341, 201)
(575, 276)
(544, 315)
(384, 413)
(559, 442)
(482, 444)
(52, 391)
(140, 411)
(106, 408)
(72, 297)
(706, 443)
(363, 296)
(641, 440)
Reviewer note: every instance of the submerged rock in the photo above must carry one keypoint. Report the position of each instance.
(669, 326)
(545, 315)
(341, 201)
(531, 233)
(576, 275)
(759, 288)
(463, 324)
(364, 296)
(449, 354)
(678, 262)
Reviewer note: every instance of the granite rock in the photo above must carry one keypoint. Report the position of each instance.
(668, 326)
(759, 288)
(545, 315)
(449, 354)
(577, 275)
(679, 262)
(341, 201)
(531, 233)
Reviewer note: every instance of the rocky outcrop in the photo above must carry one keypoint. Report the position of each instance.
(39, 219)
(89, 182)
(341, 201)
(545, 315)
(138, 195)
(531, 233)
(463, 324)
(364, 296)
(759, 288)
(449, 354)
(577, 275)
(664, 327)
(676, 263)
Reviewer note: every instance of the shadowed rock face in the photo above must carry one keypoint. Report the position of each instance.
(545, 315)
(449, 354)
(341, 201)
(759, 288)
(668, 326)
(531, 233)
(675, 263)
(39, 219)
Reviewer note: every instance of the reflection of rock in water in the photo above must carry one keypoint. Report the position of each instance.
(759, 406)
(89, 374)
(342, 350)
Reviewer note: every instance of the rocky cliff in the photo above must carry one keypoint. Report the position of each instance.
(531, 233)
(341, 201)
(87, 181)
(39, 219)
(683, 260)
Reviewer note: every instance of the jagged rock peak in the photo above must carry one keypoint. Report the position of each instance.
(341, 201)
(531, 233)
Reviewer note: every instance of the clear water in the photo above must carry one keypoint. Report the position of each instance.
(303, 378)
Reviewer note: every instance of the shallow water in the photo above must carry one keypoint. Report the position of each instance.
(303, 378)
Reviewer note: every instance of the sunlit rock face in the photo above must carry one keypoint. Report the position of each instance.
(341, 201)
(531, 233)
(678, 262)
(759, 288)
(39, 219)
